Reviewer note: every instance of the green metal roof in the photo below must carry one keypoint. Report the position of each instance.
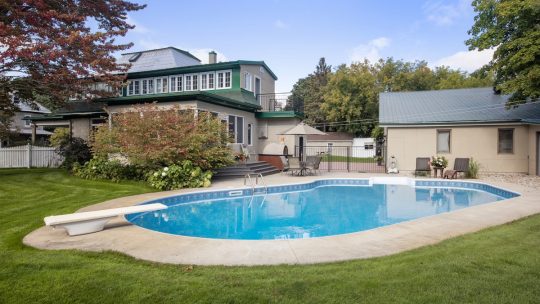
(200, 68)
(279, 114)
(237, 99)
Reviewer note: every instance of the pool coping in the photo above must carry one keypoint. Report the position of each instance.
(141, 243)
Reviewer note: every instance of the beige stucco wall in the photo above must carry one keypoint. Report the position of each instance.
(267, 81)
(272, 129)
(249, 118)
(533, 153)
(80, 127)
(478, 142)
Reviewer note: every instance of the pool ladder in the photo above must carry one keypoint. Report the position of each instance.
(247, 178)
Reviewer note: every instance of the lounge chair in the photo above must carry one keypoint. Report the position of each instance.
(94, 221)
(461, 165)
(312, 163)
(422, 165)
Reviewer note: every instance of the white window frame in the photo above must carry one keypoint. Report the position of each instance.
(187, 82)
(159, 89)
(137, 87)
(27, 122)
(248, 82)
(223, 83)
(173, 85)
(440, 149)
(236, 127)
(193, 84)
(213, 86)
(130, 88)
(205, 83)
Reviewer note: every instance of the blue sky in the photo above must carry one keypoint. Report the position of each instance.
(291, 36)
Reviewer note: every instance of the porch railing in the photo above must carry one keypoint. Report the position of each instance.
(273, 102)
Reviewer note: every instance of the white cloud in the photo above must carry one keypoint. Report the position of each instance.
(370, 50)
(202, 54)
(467, 60)
(148, 44)
(139, 28)
(280, 24)
(443, 13)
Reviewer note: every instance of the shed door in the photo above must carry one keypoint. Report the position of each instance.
(538, 153)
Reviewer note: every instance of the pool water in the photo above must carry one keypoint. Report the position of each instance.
(316, 212)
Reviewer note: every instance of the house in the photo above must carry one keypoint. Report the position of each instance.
(473, 123)
(241, 93)
(316, 144)
(21, 127)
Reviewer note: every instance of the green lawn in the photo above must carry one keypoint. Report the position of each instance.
(498, 265)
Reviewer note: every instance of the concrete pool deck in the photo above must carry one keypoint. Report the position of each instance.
(120, 235)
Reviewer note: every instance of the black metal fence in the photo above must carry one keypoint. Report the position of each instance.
(368, 158)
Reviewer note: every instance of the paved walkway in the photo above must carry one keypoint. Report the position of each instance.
(141, 243)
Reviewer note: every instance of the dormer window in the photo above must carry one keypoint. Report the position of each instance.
(223, 79)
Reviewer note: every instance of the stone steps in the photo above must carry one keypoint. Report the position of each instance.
(240, 170)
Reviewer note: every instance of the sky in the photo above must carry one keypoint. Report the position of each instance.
(291, 36)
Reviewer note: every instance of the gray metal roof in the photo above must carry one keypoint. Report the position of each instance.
(478, 105)
(158, 59)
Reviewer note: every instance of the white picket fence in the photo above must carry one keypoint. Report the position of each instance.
(29, 156)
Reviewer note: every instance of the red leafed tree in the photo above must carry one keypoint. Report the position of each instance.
(53, 49)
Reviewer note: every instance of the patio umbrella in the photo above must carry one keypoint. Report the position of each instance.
(303, 129)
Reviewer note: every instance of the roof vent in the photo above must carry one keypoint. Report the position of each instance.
(134, 57)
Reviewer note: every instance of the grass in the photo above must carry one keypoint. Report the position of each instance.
(497, 265)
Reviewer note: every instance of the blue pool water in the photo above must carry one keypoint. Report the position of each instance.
(308, 211)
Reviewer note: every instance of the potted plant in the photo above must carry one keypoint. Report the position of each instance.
(379, 160)
(439, 162)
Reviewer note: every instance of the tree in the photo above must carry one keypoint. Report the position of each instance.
(52, 50)
(351, 96)
(512, 27)
(307, 93)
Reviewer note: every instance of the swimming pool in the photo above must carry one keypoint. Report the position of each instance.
(316, 209)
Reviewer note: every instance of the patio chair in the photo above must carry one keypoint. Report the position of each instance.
(461, 165)
(312, 163)
(295, 165)
(422, 165)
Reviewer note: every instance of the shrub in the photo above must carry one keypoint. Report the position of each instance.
(60, 137)
(150, 135)
(184, 175)
(72, 149)
(473, 169)
(101, 168)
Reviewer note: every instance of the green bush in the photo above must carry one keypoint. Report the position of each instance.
(100, 168)
(473, 169)
(72, 149)
(184, 175)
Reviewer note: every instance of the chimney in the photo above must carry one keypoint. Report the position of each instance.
(212, 57)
